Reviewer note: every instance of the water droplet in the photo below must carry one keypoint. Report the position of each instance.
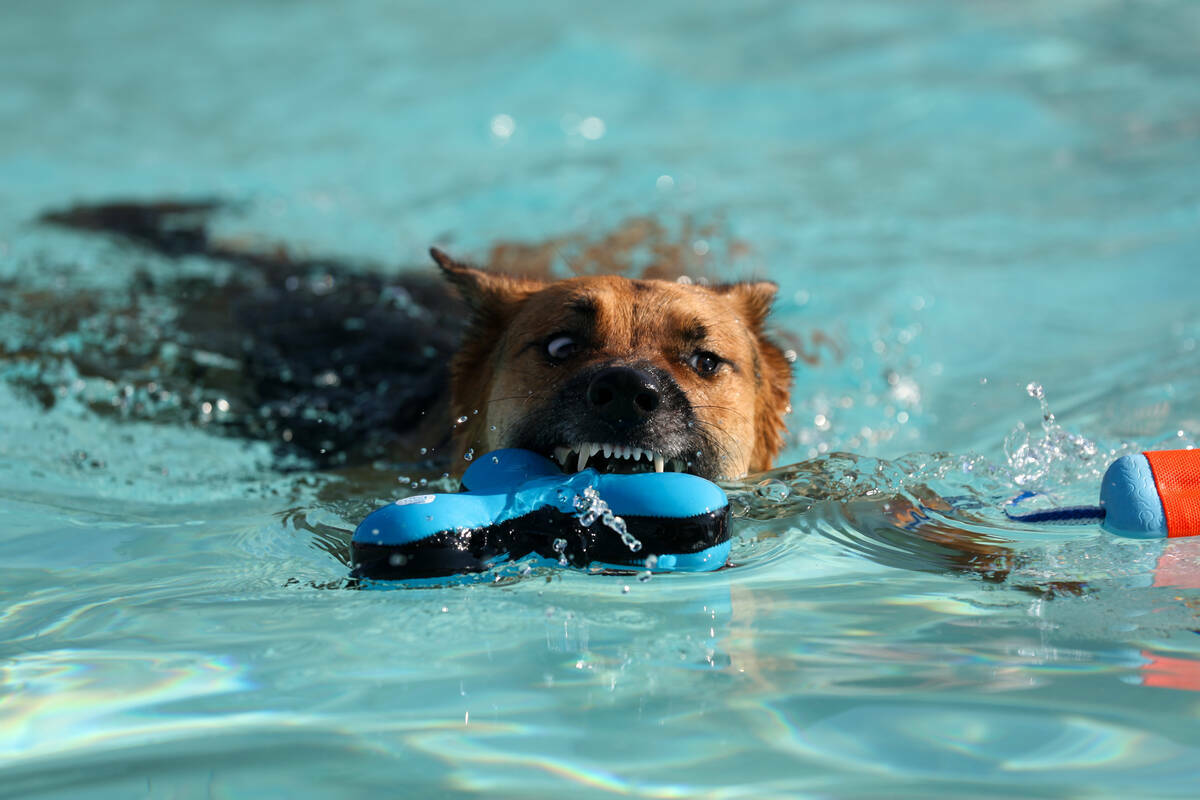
(592, 128)
(502, 126)
(560, 547)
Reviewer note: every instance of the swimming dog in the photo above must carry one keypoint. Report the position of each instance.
(342, 365)
(619, 374)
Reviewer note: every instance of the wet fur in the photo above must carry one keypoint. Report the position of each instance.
(511, 395)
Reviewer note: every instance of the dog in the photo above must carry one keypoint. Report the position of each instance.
(341, 366)
(346, 367)
(619, 374)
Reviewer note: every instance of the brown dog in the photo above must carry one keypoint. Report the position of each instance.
(618, 374)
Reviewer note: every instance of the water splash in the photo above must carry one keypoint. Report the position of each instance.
(590, 506)
(1053, 455)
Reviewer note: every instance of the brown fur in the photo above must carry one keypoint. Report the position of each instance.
(498, 379)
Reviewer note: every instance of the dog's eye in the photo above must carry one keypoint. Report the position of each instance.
(704, 362)
(561, 347)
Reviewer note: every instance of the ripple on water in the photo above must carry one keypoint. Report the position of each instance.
(984, 744)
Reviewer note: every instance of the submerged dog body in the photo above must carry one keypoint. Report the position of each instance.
(619, 374)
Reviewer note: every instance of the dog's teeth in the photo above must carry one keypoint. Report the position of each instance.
(658, 462)
(587, 450)
(561, 454)
(636, 453)
(607, 450)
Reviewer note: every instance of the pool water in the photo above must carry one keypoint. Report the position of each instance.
(984, 220)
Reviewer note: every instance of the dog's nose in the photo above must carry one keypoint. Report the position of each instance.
(624, 396)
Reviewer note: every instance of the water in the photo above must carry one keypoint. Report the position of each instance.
(957, 200)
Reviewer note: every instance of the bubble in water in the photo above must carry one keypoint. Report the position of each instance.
(424, 450)
(460, 420)
(773, 489)
(1035, 390)
(625, 589)
(469, 455)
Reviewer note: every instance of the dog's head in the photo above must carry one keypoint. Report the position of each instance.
(618, 374)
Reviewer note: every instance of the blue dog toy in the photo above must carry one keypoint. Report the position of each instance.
(517, 502)
(1151, 495)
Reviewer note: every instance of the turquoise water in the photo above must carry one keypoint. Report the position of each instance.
(968, 200)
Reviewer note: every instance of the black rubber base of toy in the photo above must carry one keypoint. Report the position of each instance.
(479, 549)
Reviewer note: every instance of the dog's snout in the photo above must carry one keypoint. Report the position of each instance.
(624, 396)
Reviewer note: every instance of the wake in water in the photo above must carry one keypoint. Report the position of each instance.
(317, 356)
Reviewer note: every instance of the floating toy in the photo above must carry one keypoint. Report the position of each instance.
(516, 503)
(1149, 495)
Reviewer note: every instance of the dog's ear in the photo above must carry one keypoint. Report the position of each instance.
(486, 293)
(753, 298)
(493, 300)
(772, 370)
